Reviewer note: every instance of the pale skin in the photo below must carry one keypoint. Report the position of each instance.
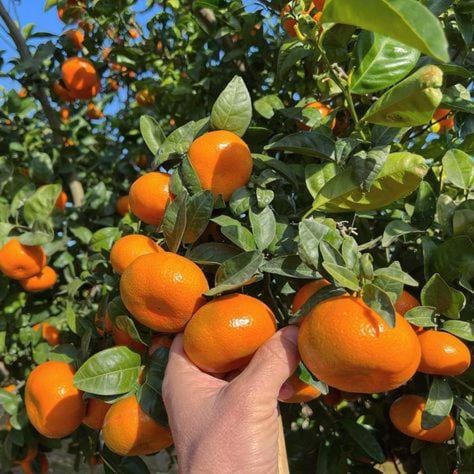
(229, 426)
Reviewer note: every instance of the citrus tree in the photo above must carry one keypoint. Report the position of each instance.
(185, 166)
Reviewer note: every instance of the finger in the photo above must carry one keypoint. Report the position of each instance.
(272, 364)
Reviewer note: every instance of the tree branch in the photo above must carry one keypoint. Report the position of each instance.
(41, 95)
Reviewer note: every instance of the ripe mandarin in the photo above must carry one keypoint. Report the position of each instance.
(163, 290)
(323, 109)
(444, 119)
(222, 162)
(122, 205)
(49, 333)
(303, 392)
(18, 261)
(149, 195)
(225, 333)
(61, 201)
(45, 279)
(129, 431)
(95, 414)
(443, 354)
(405, 302)
(305, 292)
(405, 414)
(350, 347)
(123, 338)
(54, 406)
(78, 74)
(129, 248)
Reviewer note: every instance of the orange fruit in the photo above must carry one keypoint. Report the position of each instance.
(113, 84)
(49, 333)
(225, 333)
(95, 414)
(76, 37)
(145, 98)
(289, 23)
(61, 201)
(305, 292)
(53, 404)
(70, 11)
(122, 205)
(405, 414)
(103, 325)
(22, 93)
(44, 280)
(443, 354)
(159, 341)
(134, 33)
(222, 162)
(444, 119)
(93, 112)
(10, 388)
(323, 109)
(129, 248)
(163, 290)
(303, 392)
(34, 462)
(18, 261)
(122, 338)
(405, 302)
(62, 92)
(129, 431)
(349, 346)
(80, 78)
(149, 195)
(64, 114)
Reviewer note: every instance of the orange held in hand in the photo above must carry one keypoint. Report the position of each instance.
(406, 413)
(226, 332)
(122, 205)
(49, 333)
(163, 290)
(127, 249)
(18, 261)
(222, 162)
(129, 431)
(149, 195)
(53, 405)
(95, 415)
(443, 354)
(349, 346)
(44, 280)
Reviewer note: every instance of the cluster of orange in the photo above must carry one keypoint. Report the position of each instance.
(289, 23)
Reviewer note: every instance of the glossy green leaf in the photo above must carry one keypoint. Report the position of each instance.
(381, 62)
(377, 299)
(462, 329)
(411, 102)
(423, 316)
(290, 266)
(104, 238)
(41, 204)
(399, 177)
(458, 169)
(407, 21)
(236, 232)
(344, 276)
(236, 272)
(305, 376)
(175, 220)
(212, 253)
(177, 143)
(263, 225)
(447, 300)
(109, 372)
(152, 133)
(233, 108)
(317, 175)
(198, 212)
(439, 404)
(453, 259)
(425, 206)
(364, 438)
(367, 165)
(396, 229)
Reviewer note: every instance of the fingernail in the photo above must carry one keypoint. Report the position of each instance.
(290, 334)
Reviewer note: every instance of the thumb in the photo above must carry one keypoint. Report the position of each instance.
(272, 364)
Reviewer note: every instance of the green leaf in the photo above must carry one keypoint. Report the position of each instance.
(267, 105)
(315, 144)
(462, 329)
(343, 276)
(458, 169)
(399, 177)
(104, 238)
(439, 404)
(41, 168)
(380, 302)
(366, 166)
(152, 133)
(381, 62)
(291, 52)
(212, 253)
(435, 459)
(407, 21)
(240, 201)
(236, 232)
(411, 102)
(236, 272)
(41, 204)
(424, 316)
(311, 233)
(425, 206)
(396, 229)
(317, 175)
(305, 376)
(174, 221)
(263, 225)
(109, 372)
(453, 259)
(448, 301)
(290, 266)
(364, 438)
(150, 393)
(176, 143)
(395, 272)
(198, 212)
(81, 233)
(233, 108)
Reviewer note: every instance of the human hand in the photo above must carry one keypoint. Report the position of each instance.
(222, 426)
